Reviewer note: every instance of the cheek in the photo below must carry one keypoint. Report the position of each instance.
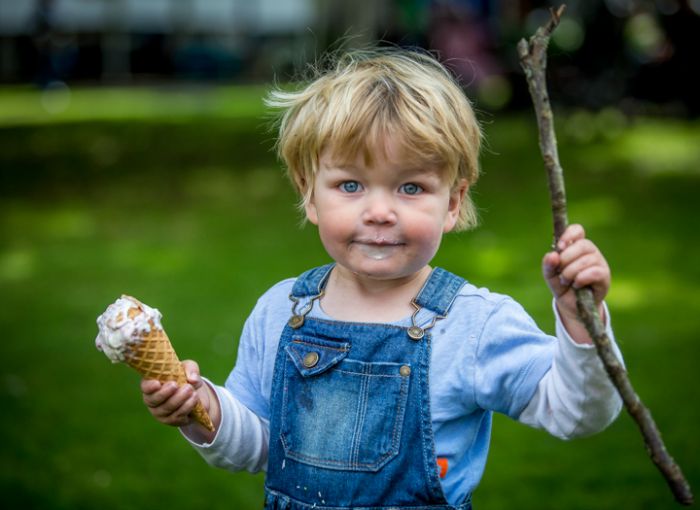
(335, 227)
(334, 238)
(426, 233)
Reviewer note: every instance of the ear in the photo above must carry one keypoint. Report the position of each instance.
(311, 211)
(454, 206)
(309, 204)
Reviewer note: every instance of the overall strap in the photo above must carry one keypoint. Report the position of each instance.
(439, 291)
(311, 282)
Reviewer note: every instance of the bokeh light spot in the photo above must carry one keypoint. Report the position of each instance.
(569, 34)
(492, 261)
(494, 92)
(694, 6)
(17, 265)
(659, 147)
(596, 212)
(644, 36)
(56, 98)
(627, 294)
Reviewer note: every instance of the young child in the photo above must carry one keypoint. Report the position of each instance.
(371, 382)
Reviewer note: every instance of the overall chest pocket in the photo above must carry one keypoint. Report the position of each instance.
(340, 413)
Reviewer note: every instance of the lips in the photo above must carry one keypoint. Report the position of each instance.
(378, 248)
(378, 241)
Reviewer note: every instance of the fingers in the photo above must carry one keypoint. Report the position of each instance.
(195, 379)
(576, 258)
(149, 386)
(569, 248)
(591, 276)
(573, 233)
(175, 410)
(169, 403)
(577, 263)
(550, 265)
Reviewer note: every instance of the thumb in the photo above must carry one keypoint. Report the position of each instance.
(192, 373)
(550, 271)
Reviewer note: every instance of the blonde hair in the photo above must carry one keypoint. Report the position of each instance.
(367, 95)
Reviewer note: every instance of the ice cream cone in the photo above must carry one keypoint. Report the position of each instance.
(153, 356)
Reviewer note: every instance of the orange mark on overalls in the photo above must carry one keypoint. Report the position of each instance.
(442, 466)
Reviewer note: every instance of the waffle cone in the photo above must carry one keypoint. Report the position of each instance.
(155, 358)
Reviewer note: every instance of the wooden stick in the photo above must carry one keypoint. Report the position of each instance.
(533, 59)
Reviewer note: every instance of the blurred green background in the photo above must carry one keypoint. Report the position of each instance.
(174, 196)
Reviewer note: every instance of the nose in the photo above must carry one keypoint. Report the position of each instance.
(379, 209)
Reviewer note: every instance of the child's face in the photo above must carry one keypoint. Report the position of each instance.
(382, 220)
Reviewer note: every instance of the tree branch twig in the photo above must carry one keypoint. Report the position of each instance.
(533, 59)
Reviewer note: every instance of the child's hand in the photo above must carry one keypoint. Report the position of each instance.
(170, 404)
(579, 263)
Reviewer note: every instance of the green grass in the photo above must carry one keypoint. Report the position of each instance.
(21, 106)
(186, 208)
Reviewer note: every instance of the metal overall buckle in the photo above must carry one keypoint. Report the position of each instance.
(297, 319)
(415, 332)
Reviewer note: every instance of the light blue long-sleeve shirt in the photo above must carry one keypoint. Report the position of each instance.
(487, 355)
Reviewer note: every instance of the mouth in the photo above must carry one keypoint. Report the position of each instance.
(378, 249)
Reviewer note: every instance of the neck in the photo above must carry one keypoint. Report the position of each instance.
(352, 297)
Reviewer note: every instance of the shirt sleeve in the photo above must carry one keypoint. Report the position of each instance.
(241, 441)
(246, 379)
(512, 355)
(575, 398)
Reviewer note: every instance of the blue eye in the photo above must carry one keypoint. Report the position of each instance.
(411, 188)
(350, 186)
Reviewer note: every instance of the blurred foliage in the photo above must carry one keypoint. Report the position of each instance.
(184, 206)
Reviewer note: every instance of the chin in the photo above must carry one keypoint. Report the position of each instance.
(381, 270)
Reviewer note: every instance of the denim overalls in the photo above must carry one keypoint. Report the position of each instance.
(350, 423)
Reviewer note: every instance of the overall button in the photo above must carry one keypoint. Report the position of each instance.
(416, 333)
(296, 321)
(310, 360)
(405, 370)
